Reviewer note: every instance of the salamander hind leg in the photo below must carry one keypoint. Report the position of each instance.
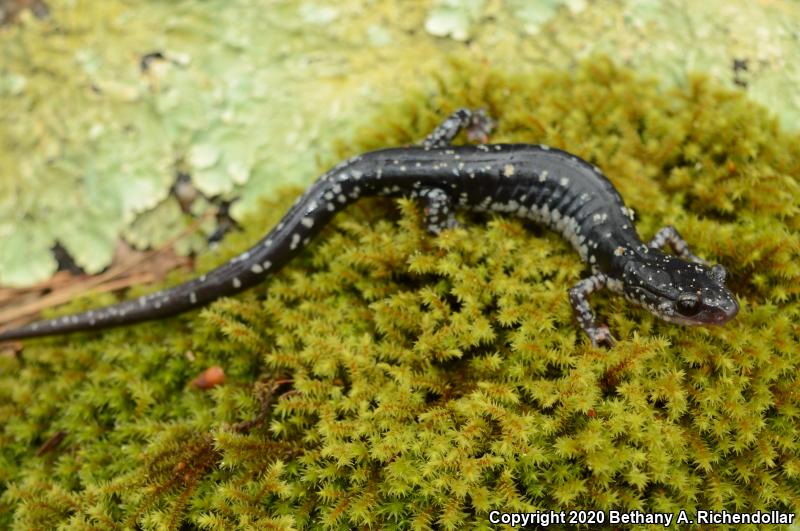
(438, 208)
(579, 297)
(477, 123)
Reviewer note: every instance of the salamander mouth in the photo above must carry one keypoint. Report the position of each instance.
(727, 310)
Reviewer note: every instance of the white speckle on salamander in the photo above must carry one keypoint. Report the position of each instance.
(508, 170)
(543, 147)
(236, 283)
(257, 269)
(619, 251)
(543, 176)
(266, 264)
(193, 298)
(307, 222)
(564, 181)
(295, 241)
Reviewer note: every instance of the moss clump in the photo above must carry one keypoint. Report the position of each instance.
(434, 379)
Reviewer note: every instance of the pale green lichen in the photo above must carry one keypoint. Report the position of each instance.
(454, 18)
(436, 378)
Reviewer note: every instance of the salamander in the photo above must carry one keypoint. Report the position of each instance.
(537, 182)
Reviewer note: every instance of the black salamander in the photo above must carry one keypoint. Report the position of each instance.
(536, 182)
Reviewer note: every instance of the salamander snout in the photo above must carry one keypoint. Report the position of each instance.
(716, 309)
(729, 310)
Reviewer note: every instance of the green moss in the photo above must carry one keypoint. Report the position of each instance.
(436, 378)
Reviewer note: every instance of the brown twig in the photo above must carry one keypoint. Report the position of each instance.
(266, 395)
(52, 443)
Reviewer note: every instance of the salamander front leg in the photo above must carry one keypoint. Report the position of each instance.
(477, 123)
(669, 235)
(579, 297)
(438, 209)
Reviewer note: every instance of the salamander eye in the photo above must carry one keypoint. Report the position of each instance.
(688, 304)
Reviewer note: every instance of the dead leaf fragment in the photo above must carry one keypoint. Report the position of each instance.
(211, 377)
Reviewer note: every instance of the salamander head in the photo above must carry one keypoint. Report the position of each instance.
(679, 291)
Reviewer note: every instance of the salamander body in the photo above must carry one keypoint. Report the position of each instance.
(537, 182)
